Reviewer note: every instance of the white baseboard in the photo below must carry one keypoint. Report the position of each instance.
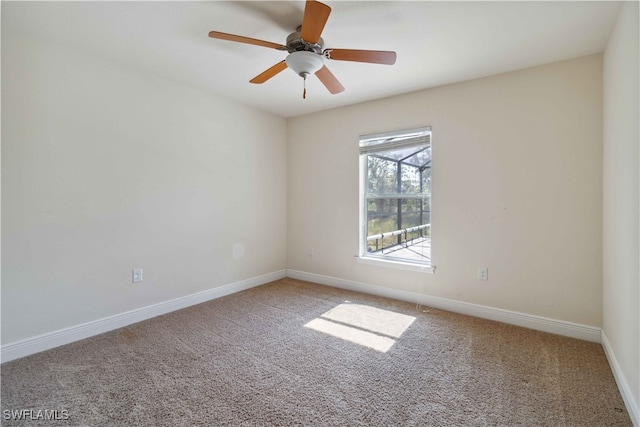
(26, 347)
(623, 385)
(545, 324)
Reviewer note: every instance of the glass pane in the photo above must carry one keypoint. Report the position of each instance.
(382, 176)
(426, 219)
(410, 179)
(426, 180)
(382, 217)
(411, 219)
(419, 159)
(404, 153)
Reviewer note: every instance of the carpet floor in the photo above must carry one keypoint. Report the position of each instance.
(297, 353)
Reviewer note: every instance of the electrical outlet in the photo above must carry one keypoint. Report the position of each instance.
(136, 275)
(483, 273)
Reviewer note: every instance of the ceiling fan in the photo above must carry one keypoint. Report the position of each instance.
(306, 50)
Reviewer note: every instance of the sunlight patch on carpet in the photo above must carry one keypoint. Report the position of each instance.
(364, 325)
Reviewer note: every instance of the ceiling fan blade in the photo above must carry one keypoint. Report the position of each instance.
(329, 80)
(370, 56)
(266, 75)
(314, 20)
(247, 40)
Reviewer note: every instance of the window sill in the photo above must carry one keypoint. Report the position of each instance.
(400, 265)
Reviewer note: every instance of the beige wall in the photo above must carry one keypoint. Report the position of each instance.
(105, 169)
(517, 175)
(621, 211)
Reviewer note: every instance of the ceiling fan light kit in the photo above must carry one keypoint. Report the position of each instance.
(306, 54)
(304, 62)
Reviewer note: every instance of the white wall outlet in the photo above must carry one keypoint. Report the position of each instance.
(136, 275)
(310, 251)
(483, 273)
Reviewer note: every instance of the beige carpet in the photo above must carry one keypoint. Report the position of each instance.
(295, 353)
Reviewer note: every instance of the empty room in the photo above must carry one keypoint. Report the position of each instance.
(320, 213)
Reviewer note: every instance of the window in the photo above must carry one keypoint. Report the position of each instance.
(396, 196)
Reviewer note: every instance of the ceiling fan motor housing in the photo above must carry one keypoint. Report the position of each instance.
(295, 43)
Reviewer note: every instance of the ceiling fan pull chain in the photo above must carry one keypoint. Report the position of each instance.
(304, 87)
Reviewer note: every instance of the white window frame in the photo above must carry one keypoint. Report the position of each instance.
(364, 257)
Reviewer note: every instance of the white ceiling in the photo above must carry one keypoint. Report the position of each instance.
(437, 42)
